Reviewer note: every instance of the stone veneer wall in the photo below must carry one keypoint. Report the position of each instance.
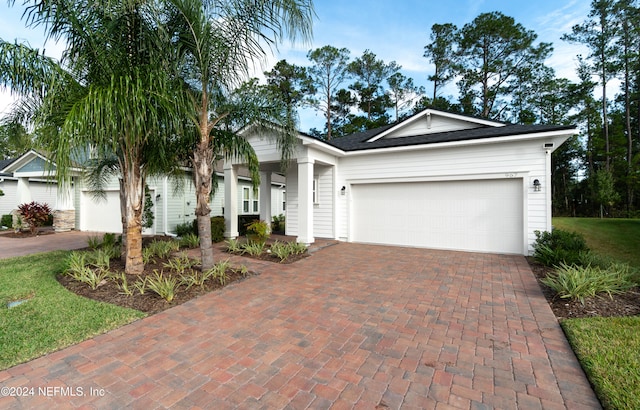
(64, 220)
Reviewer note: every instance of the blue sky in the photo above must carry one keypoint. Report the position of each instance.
(394, 30)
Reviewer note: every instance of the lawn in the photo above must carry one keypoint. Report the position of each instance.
(608, 348)
(52, 317)
(617, 238)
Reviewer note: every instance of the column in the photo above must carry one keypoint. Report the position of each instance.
(305, 201)
(230, 200)
(265, 197)
(64, 214)
(23, 194)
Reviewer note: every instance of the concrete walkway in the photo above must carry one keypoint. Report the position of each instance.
(352, 326)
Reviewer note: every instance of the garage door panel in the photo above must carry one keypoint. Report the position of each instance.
(103, 214)
(479, 215)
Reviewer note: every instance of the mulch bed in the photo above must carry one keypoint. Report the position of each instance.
(26, 234)
(150, 302)
(623, 304)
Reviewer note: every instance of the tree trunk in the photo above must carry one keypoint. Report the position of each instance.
(203, 164)
(123, 221)
(134, 195)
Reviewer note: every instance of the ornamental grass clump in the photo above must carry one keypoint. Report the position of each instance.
(581, 282)
(164, 286)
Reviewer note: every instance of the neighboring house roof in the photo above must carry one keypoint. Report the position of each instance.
(4, 163)
(363, 140)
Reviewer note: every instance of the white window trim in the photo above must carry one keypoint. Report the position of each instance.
(314, 188)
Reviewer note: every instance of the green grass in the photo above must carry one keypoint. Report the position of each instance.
(617, 238)
(608, 348)
(609, 351)
(53, 318)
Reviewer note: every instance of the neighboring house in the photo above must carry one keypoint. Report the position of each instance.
(435, 180)
(25, 179)
(22, 181)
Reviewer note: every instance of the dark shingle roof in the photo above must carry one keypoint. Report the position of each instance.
(5, 163)
(358, 142)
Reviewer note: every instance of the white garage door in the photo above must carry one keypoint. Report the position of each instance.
(478, 215)
(103, 215)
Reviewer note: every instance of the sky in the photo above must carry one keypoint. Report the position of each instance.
(394, 30)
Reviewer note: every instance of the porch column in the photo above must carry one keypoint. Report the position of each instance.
(230, 200)
(265, 197)
(64, 214)
(23, 194)
(305, 201)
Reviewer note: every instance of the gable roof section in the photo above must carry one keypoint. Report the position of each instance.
(364, 140)
(431, 121)
(4, 163)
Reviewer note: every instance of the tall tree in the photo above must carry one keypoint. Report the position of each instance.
(493, 53)
(290, 82)
(442, 53)
(403, 92)
(14, 140)
(218, 42)
(628, 16)
(110, 93)
(370, 75)
(598, 33)
(328, 72)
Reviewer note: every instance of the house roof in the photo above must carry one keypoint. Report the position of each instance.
(5, 163)
(366, 140)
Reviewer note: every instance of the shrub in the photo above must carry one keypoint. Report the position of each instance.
(7, 220)
(94, 242)
(186, 229)
(180, 263)
(35, 214)
(217, 229)
(281, 250)
(277, 223)
(580, 282)
(190, 241)
(556, 247)
(258, 231)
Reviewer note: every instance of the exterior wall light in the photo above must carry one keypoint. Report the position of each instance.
(343, 190)
(537, 185)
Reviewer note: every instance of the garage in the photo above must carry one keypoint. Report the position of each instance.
(471, 215)
(103, 214)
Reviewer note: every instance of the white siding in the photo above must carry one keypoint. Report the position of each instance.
(438, 124)
(524, 159)
(323, 208)
(42, 192)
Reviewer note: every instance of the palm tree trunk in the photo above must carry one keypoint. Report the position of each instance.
(134, 195)
(203, 164)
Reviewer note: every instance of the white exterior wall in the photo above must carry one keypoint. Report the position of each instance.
(41, 192)
(524, 160)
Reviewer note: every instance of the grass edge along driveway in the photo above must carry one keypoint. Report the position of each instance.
(52, 317)
(608, 348)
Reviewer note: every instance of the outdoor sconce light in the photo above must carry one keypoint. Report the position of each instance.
(536, 185)
(343, 190)
(157, 197)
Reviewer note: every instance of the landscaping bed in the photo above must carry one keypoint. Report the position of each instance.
(111, 290)
(622, 304)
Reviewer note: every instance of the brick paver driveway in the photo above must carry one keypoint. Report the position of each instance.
(352, 326)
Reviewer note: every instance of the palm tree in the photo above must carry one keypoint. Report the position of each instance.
(111, 92)
(218, 42)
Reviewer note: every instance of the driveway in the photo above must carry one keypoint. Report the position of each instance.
(10, 247)
(352, 326)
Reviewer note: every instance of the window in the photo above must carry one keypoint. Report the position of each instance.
(245, 199)
(315, 190)
(284, 200)
(256, 202)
